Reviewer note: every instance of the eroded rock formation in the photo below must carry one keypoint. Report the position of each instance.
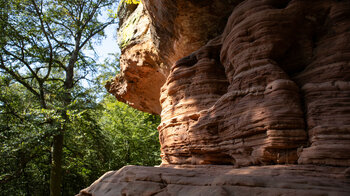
(142, 71)
(251, 95)
(155, 36)
(222, 180)
(271, 86)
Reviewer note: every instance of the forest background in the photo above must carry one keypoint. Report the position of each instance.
(59, 129)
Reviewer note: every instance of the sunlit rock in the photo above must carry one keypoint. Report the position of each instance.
(260, 85)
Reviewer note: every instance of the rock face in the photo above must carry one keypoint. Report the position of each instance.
(222, 180)
(263, 83)
(155, 36)
(278, 74)
(142, 71)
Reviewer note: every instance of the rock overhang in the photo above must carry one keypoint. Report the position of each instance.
(154, 36)
(253, 86)
(270, 88)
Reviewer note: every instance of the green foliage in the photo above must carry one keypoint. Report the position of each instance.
(108, 70)
(42, 65)
(134, 136)
(25, 148)
(102, 136)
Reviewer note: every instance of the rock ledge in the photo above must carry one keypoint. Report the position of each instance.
(223, 180)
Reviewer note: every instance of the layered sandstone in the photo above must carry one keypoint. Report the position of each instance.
(223, 180)
(155, 36)
(142, 72)
(269, 87)
(278, 74)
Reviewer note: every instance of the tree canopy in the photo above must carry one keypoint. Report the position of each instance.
(52, 126)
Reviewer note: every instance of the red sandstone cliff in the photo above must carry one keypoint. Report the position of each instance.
(240, 83)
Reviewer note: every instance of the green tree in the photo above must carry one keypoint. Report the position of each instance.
(133, 134)
(25, 143)
(102, 137)
(41, 48)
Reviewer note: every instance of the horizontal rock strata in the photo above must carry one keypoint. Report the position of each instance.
(271, 88)
(253, 94)
(325, 85)
(154, 36)
(288, 180)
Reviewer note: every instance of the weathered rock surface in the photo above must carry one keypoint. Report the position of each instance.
(142, 72)
(154, 38)
(285, 180)
(183, 26)
(271, 87)
(251, 95)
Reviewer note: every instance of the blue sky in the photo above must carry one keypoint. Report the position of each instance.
(104, 47)
(108, 44)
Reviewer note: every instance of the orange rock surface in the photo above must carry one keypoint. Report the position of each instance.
(272, 88)
(254, 94)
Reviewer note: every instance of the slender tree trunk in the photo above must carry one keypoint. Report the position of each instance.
(57, 148)
(56, 165)
(57, 153)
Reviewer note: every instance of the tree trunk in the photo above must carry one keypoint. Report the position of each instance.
(57, 148)
(56, 165)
